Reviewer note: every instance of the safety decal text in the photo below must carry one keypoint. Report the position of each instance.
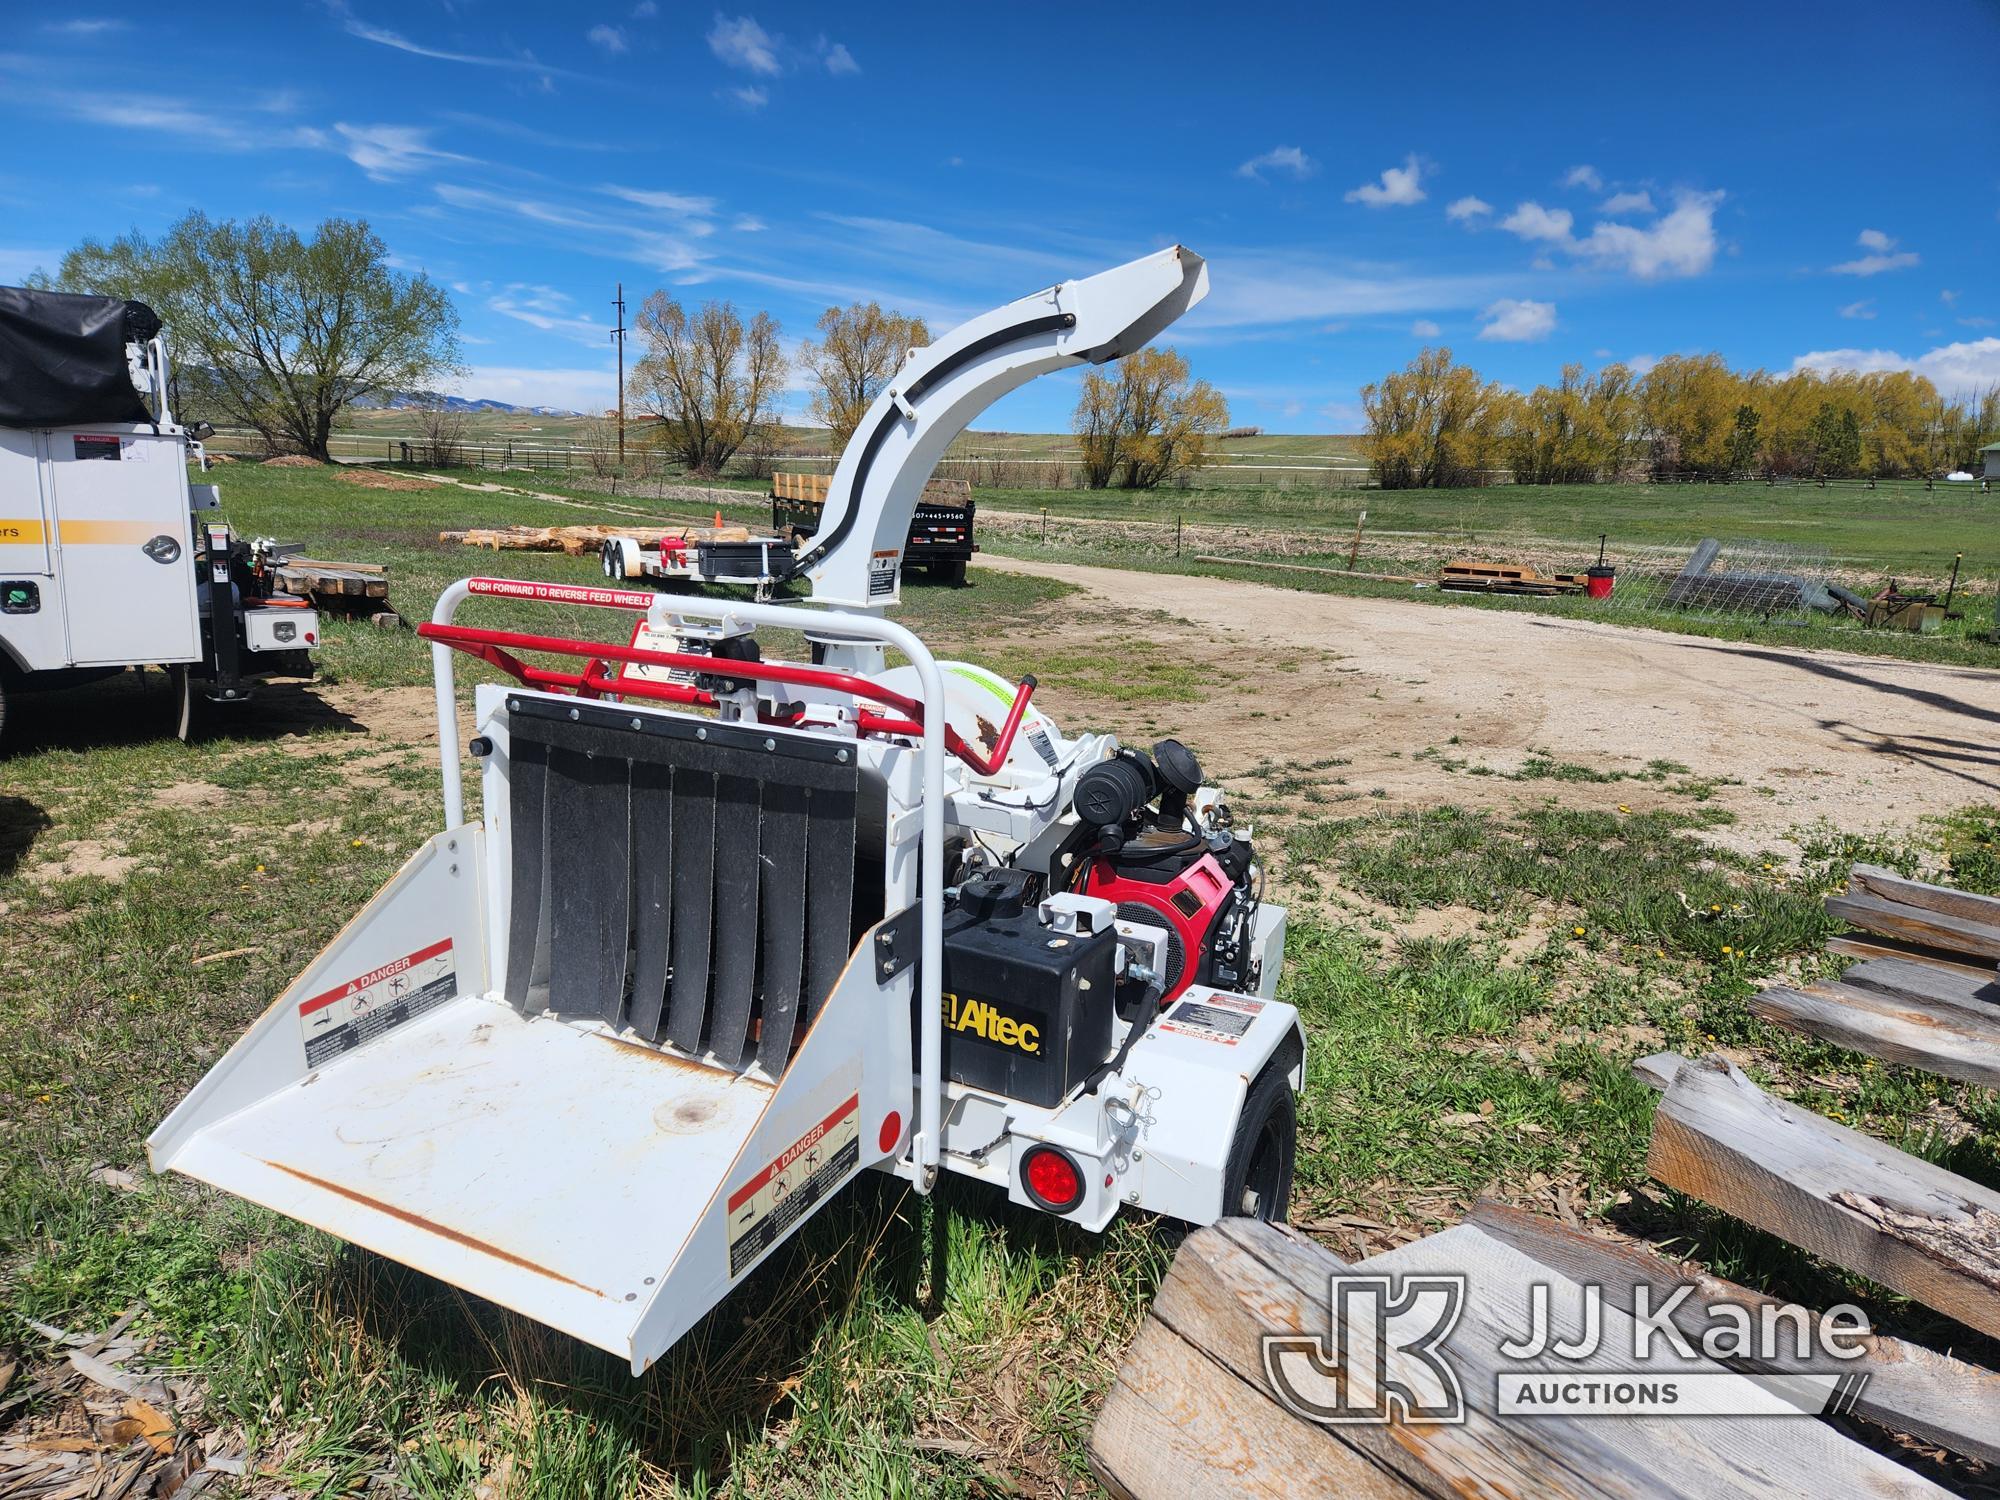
(367, 1005)
(1218, 1018)
(882, 573)
(784, 1192)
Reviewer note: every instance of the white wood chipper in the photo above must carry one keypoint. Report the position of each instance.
(728, 930)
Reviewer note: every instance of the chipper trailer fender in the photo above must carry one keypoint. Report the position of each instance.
(109, 557)
(724, 931)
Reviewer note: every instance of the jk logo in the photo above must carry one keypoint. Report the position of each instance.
(1385, 1363)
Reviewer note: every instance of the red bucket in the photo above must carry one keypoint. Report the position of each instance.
(1597, 581)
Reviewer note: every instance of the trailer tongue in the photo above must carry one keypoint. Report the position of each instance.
(728, 930)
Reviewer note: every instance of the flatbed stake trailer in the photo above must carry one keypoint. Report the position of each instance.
(724, 931)
(109, 556)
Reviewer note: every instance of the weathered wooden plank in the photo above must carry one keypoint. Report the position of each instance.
(1909, 980)
(1178, 1426)
(1719, 1456)
(1916, 925)
(1869, 945)
(1939, 1038)
(1887, 885)
(1225, 1291)
(1657, 1071)
(1860, 1203)
(1910, 1389)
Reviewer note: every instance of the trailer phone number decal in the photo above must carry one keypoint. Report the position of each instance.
(364, 1007)
(769, 1204)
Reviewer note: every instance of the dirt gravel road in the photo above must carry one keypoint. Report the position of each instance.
(1863, 742)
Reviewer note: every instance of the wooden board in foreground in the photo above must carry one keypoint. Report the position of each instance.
(1887, 885)
(1916, 924)
(1867, 945)
(1910, 1389)
(1891, 1217)
(1941, 1038)
(1194, 1411)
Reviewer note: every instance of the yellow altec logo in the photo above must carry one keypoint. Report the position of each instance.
(983, 1019)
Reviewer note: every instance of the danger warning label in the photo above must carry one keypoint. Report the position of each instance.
(1216, 1018)
(364, 1007)
(769, 1204)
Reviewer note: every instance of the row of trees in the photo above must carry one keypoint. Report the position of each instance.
(1439, 423)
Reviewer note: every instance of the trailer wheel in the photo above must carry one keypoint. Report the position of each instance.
(952, 573)
(1257, 1182)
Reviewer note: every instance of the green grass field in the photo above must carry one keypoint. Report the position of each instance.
(898, 1346)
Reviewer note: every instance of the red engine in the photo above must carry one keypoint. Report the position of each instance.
(1143, 850)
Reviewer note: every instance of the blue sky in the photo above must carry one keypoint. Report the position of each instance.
(1530, 186)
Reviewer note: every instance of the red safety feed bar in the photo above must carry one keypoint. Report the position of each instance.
(497, 647)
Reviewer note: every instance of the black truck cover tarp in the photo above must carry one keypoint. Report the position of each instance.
(62, 358)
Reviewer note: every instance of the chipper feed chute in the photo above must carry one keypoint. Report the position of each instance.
(595, 1052)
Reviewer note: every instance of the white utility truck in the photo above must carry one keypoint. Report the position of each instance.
(109, 557)
(723, 931)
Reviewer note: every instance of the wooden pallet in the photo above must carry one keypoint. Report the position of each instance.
(1467, 577)
(310, 578)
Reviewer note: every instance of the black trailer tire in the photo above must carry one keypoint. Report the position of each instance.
(952, 573)
(1257, 1181)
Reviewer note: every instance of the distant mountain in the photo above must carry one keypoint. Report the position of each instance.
(415, 400)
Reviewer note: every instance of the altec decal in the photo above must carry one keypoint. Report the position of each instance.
(362, 1008)
(784, 1192)
(984, 1019)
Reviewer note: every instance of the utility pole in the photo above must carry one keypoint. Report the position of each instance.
(618, 338)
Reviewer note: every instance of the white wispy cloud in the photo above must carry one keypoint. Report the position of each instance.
(749, 224)
(681, 205)
(382, 36)
(1514, 321)
(609, 38)
(751, 96)
(387, 152)
(192, 119)
(839, 60)
(1467, 207)
(1640, 202)
(1882, 256)
(84, 26)
(1289, 160)
(1424, 328)
(1586, 177)
(742, 43)
(1266, 288)
(1398, 187)
(673, 250)
(550, 310)
(1865, 308)
(645, 10)
(1963, 366)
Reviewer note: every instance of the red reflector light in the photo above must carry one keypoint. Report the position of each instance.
(1051, 1179)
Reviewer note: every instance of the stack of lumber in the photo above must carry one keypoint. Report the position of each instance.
(1467, 577)
(811, 489)
(586, 541)
(1196, 1409)
(1927, 992)
(330, 582)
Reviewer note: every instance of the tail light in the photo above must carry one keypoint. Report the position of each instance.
(1052, 1181)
